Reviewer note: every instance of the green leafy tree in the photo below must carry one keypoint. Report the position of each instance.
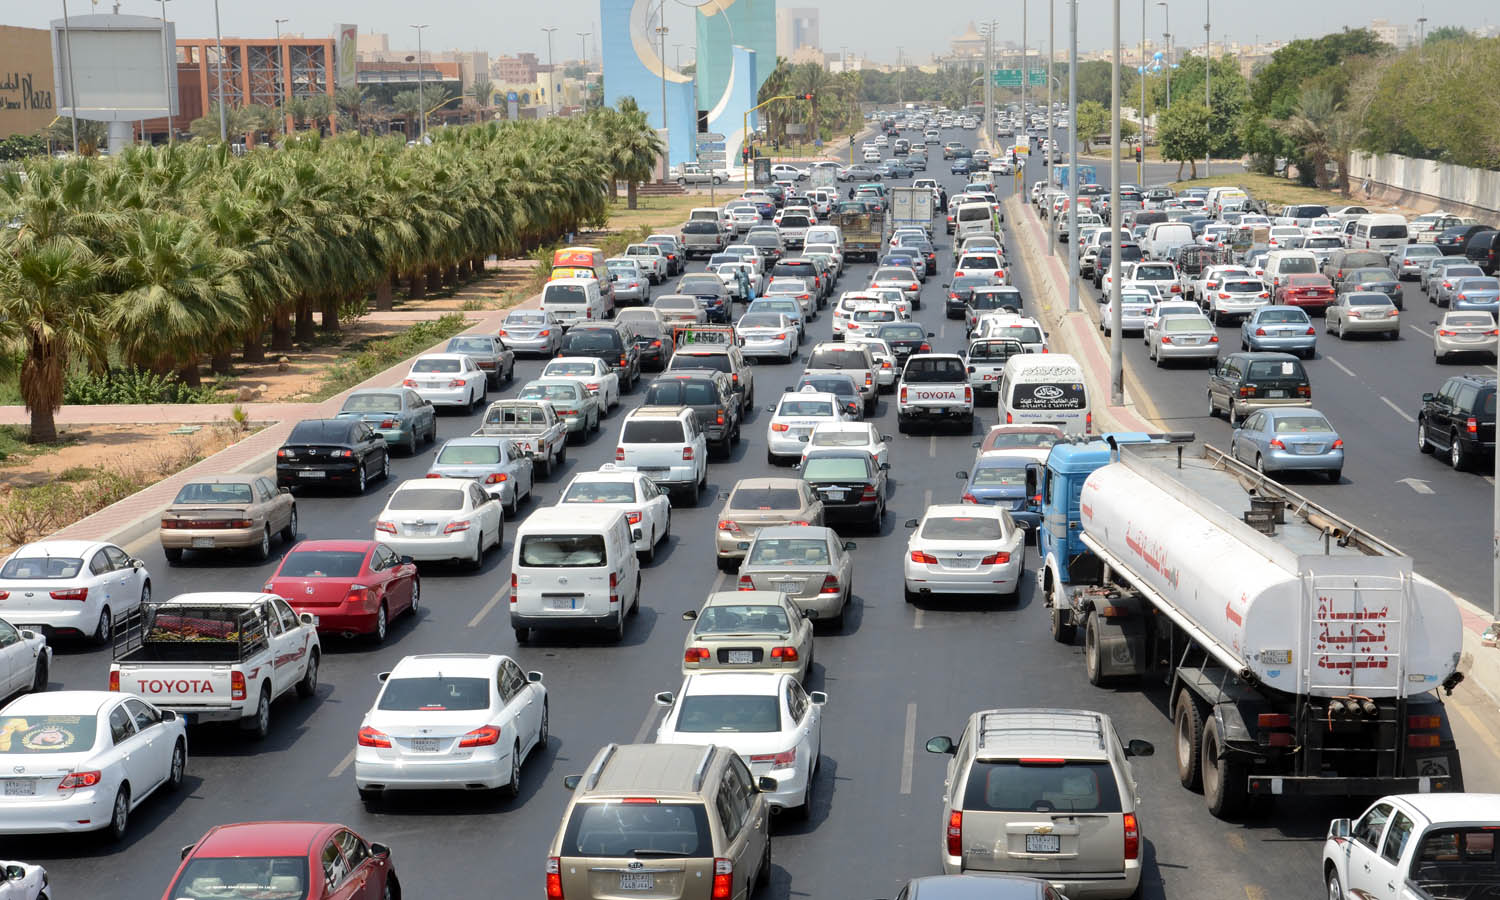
(20, 146)
(352, 102)
(1185, 133)
(483, 91)
(1093, 120)
(91, 134)
(1448, 33)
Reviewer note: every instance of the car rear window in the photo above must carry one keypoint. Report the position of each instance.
(765, 498)
(707, 284)
(435, 693)
(837, 468)
(471, 345)
(701, 227)
(655, 830)
(974, 213)
(327, 432)
(962, 528)
(1388, 231)
(934, 371)
(372, 403)
(794, 222)
(1021, 786)
(552, 392)
(1481, 284)
(1275, 369)
(321, 564)
(242, 877)
(1304, 264)
(38, 567)
(1048, 395)
(562, 550)
(600, 492)
(1283, 315)
(592, 339)
(902, 333)
(729, 714)
(652, 431)
(810, 408)
(681, 393)
(468, 454)
(208, 492)
(1300, 423)
(719, 362)
(427, 498)
(47, 734)
(1368, 300)
(565, 293)
(1454, 857)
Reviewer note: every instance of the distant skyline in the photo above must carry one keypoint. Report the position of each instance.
(510, 27)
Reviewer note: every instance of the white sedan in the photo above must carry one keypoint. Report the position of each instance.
(72, 587)
(768, 336)
(448, 379)
(767, 718)
(850, 435)
(793, 419)
(964, 548)
(647, 507)
(884, 356)
(84, 760)
(593, 372)
(450, 720)
(433, 519)
(25, 660)
(22, 881)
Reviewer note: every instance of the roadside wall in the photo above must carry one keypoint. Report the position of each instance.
(1405, 181)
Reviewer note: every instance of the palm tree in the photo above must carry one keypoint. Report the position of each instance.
(350, 100)
(482, 90)
(813, 79)
(408, 105)
(1310, 127)
(237, 121)
(91, 134)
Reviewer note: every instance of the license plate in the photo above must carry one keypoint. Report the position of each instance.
(312, 474)
(203, 543)
(14, 788)
(437, 384)
(1308, 449)
(424, 745)
(1043, 843)
(940, 410)
(653, 471)
(637, 881)
(834, 495)
(421, 529)
(789, 587)
(1275, 394)
(562, 602)
(741, 657)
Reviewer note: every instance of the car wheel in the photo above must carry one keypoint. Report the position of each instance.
(617, 631)
(512, 788)
(385, 465)
(1335, 475)
(260, 725)
(1188, 729)
(1458, 458)
(477, 559)
(1423, 445)
(411, 443)
(542, 730)
(371, 801)
(382, 625)
(289, 533)
(308, 686)
(1234, 416)
(363, 480)
(262, 551)
(521, 634)
(1335, 887)
(104, 629)
(40, 677)
(176, 767)
(1260, 464)
(119, 818)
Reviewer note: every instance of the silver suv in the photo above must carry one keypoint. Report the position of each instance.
(1043, 792)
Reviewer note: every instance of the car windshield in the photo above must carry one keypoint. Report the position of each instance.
(902, 333)
(653, 830)
(549, 392)
(525, 318)
(242, 878)
(1296, 316)
(1019, 440)
(742, 619)
(600, 492)
(1300, 423)
(708, 284)
(36, 567)
(25, 735)
(962, 528)
(569, 368)
(789, 552)
(1042, 786)
(436, 365)
(1480, 319)
(427, 498)
(209, 492)
(1186, 323)
(729, 714)
(562, 550)
(760, 320)
(766, 498)
(468, 454)
(322, 564)
(837, 468)
(372, 403)
(586, 339)
(435, 693)
(1009, 475)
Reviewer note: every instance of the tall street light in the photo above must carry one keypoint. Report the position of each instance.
(168, 59)
(1140, 163)
(583, 47)
(1051, 117)
(1166, 34)
(219, 39)
(280, 62)
(421, 100)
(1073, 156)
(661, 55)
(1208, 60)
(551, 69)
(72, 92)
(1116, 339)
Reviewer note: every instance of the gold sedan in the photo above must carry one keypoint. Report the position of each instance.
(756, 503)
(228, 512)
(749, 631)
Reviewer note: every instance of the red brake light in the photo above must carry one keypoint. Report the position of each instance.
(687, 452)
(388, 527)
(729, 525)
(455, 527)
(79, 780)
(237, 686)
(1423, 723)
(995, 559)
(1338, 444)
(969, 498)
(785, 654)
(1472, 425)
(554, 878)
(746, 584)
(496, 478)
(369, 737)
(408, 382)
(619, 454)
(634, 518)
(1276, 442)
(1132, 837)
(481, 737)
(71, 594)
(781, 426)
(922, 556)
(723, 879)
(830, 585)
(955, 833)
(114, 681)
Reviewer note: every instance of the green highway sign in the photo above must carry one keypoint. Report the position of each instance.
(1012, 77)
(1038, 76)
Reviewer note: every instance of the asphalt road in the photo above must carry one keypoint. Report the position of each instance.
(896, 675)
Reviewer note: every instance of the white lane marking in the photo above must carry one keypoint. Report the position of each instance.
(1399, 411)
(640, 733)
(932, 447)
(926, 499)
(909, 752)
(1342, 368)
(1415, 484)
(484, 610)
(343, 765)
(1490, 479)
(718, 582)
(1420, 330)
(942, 330)
(917, 622)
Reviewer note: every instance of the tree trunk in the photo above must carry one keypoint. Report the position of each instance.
(331, 315)
(305, 330)
(384, 298)
(478, 263)
(451, 276)
(281, 333)
(434, 279)
(1194, 164)
(417, 287)
(631, 193)
(252, 350)
(43, 426)
(190, 375)
(221, 362)
(1179, 170)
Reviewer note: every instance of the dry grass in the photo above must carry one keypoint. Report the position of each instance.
(657, 213)
(1274, 192)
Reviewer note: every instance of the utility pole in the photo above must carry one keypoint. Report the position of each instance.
(900, 81)
(661, 36)
(1025, 73)
(169, 59)
(280, 79)
(72, 91)
(1116, 339)
(1051, 117)
(1166, 35)
(219, 88)
(421, 101)
(1073, 156)
(1208, 64)
(1140, 163)
(551, 70)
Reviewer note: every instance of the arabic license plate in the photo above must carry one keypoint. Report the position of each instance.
(310, 473)
(789, 587)
(437, 384)
(1309, 449)
(1043, 843)
(562, 602)
(203, 543)
(637, 881)
(654, 471)
(741, 657)
(940, 410)
(835, 495)
(424, 745)
(20, 788)
(1275, 394)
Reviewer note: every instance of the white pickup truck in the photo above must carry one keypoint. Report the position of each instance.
(223, 656)
(535, 427)
(1415, 847)
(934, 388)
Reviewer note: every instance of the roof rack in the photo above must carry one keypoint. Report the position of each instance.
(989, 733)
(591, 777)
(702, 771)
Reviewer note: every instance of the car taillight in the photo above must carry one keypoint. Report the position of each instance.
(237, 689)
(786, 757)
(74, 780)
(969, 497)
(695, 654)
(968, 394)
(388, 527)
(513, 587)
(1166, 339)
(554, 878)
(544, 332)
(408, 382)
(995, 559)
(1213, 339)
(1444, 333)
(1472, 425)
(745, 584)
(1338, 443)
(1276, 442)
(455, 382)
(357, 594)
(687, 452)
(114, 681)
(455, 527)
(785, 654)
(868, 493)
(781, 426)
(588, 313)
(723, 879)
(1132, 837)
(496, 478)
(922, 556)
(1176, 288)
(729, 525)
(388, 423)
(830, 585)
(955, 833)
(634, 518)
(71, 594)
(481, 737)
(592, 387)
(619, 454)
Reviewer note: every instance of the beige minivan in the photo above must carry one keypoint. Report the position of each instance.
(665, 822)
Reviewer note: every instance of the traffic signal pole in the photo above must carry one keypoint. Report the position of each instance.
(745, 157)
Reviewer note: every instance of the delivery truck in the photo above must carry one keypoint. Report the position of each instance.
(911, 206)
(1303, 654)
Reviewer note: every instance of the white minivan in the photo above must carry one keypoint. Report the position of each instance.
(1281, 263)
(573, 300)
(1046, 389)
(971, 219)
(574, 569)
(1385, 233)
(1163, 238)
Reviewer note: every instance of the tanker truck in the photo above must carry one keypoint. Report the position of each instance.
(1301, 653)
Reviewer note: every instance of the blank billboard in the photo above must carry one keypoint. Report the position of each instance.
(119, 71)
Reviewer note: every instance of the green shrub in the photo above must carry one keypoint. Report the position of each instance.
(382, 354)
(132, 386)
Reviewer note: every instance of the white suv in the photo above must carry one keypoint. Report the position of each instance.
(665, 444)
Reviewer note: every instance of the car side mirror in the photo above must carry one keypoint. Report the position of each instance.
(690, 616)
(885, 467)
(534, 677)
(379, 850)
(308, 619)
(971, 370)
(635, 534)
(189, 849)
(571, 781)
(809, 614)
(1137, 747)
(1032, 474)
(382, 677)
(766, 784)
(1339, 830)
(947, 284)
(284, 489)
(14, 873)
(885, 438)
(664, 698)
(961, 475)
(818, 698)
(407, 561)
(941, 744)
(1427, 398)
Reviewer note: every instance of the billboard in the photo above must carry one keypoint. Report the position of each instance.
(345, 41)
(27, 96)
(119, 68)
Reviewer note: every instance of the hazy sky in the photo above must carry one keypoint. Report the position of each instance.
(509, 26)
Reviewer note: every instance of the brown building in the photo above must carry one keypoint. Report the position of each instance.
(27, 99)
(515, 69)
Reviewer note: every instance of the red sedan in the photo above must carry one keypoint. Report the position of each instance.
(285, 861)
(353, 587)
(1309, 292)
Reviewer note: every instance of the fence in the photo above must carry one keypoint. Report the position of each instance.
(1419, 182)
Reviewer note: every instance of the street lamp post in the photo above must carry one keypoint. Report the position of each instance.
(1140, 162)
(1051, 117)
(551, 70)
(219, 88)
(661, 36)
(280, 62)
(1208, 65)
(1073, 156)
(583, 46)
(421, 101)
(1166, 34)
(1025, 71)
(72, 92)
(1116, 339)
(167, 60)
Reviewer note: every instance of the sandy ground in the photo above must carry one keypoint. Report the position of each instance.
(147, 450)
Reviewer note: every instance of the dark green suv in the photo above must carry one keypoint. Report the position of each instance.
(1460, 420)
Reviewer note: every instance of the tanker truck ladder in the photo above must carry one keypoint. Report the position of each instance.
(1355, 634)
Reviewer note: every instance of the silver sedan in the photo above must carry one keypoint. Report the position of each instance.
(1184, 337)
(1463, 332)
(532, 331)
(1367, 312)
(810, 564)
(496, 463)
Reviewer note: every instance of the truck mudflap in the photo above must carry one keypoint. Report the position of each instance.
(1334, 786)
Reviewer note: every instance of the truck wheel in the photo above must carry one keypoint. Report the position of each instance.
(260, 726)
(1093, 661)
(1188, 724)
(1064, 631)
(1223, 774)
(309, 683)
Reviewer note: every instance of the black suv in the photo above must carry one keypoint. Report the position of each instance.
(1483, 251)
(710, 396)
(1460, 418)
(1455, 240)
(615, 344)
(1128, 253)
(1246, 381)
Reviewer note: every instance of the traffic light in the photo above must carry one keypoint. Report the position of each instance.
(807, 96)
(745, 153)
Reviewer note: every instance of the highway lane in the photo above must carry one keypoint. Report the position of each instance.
(896, 675)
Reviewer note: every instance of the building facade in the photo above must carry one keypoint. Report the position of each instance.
(518, 69)
(27, 98)
(796, 30)
(634, 67)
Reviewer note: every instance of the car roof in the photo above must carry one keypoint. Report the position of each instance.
(429, 664)
(988, 886)
(337, 545)
(441, 356)
(1077, 733)
(221, 598)
(68, 549)
(767, 481)
(444, 483)
(263, 839)
(961, 510)
(61, 703)
(566, 518)
(825, 396)
(1464, 807)
(651, 769)
(719, 684)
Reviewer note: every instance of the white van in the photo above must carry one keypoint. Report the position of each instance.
(574, 568)
(1163, 238)
(973, 218)
(573, 300)
(1046, 389)
(1281, 263)
(1385, 233)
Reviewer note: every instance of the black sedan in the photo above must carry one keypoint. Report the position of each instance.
(1376, 278)
(850, 483)
(332, 451)
(904, 339)
(960, 166)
